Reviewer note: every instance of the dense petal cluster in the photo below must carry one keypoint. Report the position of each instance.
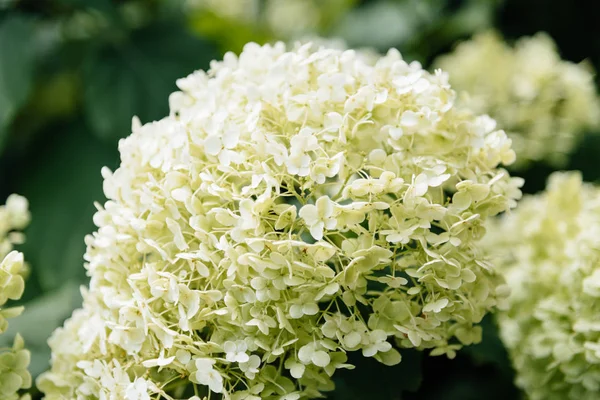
(294, 206)
(544, 103)
(14, 216)
(13, 361)
(12, 285)
(550, 251)
(83, 359)
(14, 375)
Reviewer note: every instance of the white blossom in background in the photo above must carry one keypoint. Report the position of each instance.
(14, 361)
(286, 190)
(544, 103)
(281, 19)
(14, 217)
(549, 250)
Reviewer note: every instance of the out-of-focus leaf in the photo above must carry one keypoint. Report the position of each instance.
(475, 15)
(7, 4)
(40, 318)
(16, 67)
(105, 6)
(419, 28)
(381, 24)
(137, 77)
(446, 21)
(54, 98)
(585, 158)
(62, 180)
(230, 35)
(373, 380)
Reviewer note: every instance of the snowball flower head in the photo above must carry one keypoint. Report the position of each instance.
(550, 251)
(14, 217)
(297, 204)
(544, 103)
(14, 361)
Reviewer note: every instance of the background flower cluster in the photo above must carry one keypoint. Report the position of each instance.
(551, 326)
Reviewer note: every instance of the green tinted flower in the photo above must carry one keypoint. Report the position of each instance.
(549, 249)
(11, 286)
(14, 216)
(13, 370)
(14, 361)
(296, 205)
(544, 103)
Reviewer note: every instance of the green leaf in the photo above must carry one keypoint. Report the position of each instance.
(105, 6)
(136, 77)
(16, 67)
(41, 317)
(381, 24)
(61, 181)
(584, 158)
(472, 17)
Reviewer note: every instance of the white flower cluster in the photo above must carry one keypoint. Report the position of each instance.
(14, 375)
(294, 206)
(544, 103)
(85, 366)
(551, 256)
(14, 217)
(13, 361)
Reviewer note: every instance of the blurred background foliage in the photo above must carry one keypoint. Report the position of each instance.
(74, 72)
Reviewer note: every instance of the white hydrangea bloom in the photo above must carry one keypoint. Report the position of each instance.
(14, 217)
(286, 190)
(12, 286)
(14, 375)
(14, 361)
(550, 251)
(544, 103)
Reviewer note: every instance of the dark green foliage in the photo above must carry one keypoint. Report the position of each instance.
(61, 179)
(16, 67)
(136, 77)
(373, 380)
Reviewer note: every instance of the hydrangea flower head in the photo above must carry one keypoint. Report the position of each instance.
(296, 205)
(14, 217)
(544, 103)
(551, 256)
(14, 361)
